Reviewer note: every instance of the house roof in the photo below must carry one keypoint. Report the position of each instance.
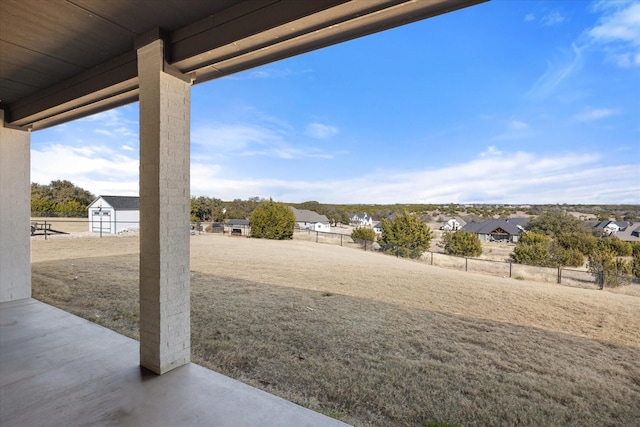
(621, 224)
(122, 203)
(62, 60)
(237, 222)
(361, 215)
(461, 221)
(629, 234)
(304, 215)
(511, 225)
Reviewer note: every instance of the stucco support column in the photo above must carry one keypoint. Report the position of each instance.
(15, 213)
(164, 212)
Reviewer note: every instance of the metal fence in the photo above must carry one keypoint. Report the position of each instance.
(505, 268)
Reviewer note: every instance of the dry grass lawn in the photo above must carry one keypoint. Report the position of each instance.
(375, 340)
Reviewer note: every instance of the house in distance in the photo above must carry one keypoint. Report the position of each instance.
(113, 214)
(310, 220)
(498, 230)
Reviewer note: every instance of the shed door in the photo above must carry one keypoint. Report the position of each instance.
(101, 222)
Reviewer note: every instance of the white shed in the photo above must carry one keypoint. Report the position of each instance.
(113, 214)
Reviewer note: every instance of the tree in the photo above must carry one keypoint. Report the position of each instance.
(363, 236)
(539, 249)
(635, 262)
(272, 220)
(241, 209)
(462, 243)
(406, 235)
(200, 209)
(59, 198)
(608, 269)
(555, 223)
(616, 246)
(533, 249)
(583, 242)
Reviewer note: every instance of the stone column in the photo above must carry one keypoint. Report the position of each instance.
(15, 212)
(165, 101)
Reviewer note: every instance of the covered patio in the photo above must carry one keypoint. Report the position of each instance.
(58, 369)
(61, 61)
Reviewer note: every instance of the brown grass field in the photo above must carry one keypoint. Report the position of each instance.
(375, 340)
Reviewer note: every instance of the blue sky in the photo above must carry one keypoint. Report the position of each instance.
(504, 102)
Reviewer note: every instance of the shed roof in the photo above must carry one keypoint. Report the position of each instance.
(120, 202)
(244, 222)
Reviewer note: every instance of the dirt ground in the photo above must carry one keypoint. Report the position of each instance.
(372, 339)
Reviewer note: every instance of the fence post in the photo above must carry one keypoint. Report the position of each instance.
(559, 275)
(510, 267)
(317, 233)
(602, 280)
(466, 264)
(45, 230)
(341, 240)
(431, 258)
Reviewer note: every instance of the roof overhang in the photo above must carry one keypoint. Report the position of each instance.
(227, 37)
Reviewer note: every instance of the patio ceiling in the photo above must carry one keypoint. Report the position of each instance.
(65, 59)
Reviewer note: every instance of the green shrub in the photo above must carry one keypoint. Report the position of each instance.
(462, 243)
(363, 236)
(406, 236)
(272, 220)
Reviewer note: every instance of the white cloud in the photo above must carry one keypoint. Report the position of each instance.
(495, 176)
(98, 169)
(321, 131)
(556, 73)
(618, 32)
(518, 125)
(223, 141)
(491, 151)
(529, 17)
(553, 18)
(594, 114)
(513, 130)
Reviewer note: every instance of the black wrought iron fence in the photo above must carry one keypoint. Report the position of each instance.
(504, 268)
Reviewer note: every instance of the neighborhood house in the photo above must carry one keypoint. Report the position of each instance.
(623, 230)
(454, 224)
(113, 214)
(310, 220)
(498, 230)
(361, 219)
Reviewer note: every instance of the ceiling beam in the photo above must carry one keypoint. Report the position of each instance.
(237, 39)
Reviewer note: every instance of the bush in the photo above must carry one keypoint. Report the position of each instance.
(610, 270)
(564, 257)
(554, 224)
(462, 243)
(583, 242)
(363, 235)
(532, 254)
(272, 220)
(406, 236)
(615, 245)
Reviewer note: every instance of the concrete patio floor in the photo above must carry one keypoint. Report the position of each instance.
(58, 369)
